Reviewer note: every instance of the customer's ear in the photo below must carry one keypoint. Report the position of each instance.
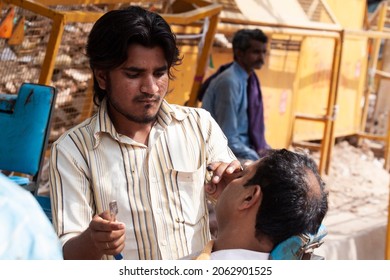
(251, 197)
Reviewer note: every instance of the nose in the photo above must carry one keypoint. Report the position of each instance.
(149, 85)
(263, 56)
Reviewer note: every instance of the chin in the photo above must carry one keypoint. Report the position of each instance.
(150, 117)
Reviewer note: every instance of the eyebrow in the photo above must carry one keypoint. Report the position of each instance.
(245, 171)
(137, 69)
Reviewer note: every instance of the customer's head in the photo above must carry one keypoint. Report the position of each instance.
(287, 191)
(250, 48)
(115, 31)
(294, 196)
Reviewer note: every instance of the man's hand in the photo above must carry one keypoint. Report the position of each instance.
(107, 236)
(101, 237)
(222, 174)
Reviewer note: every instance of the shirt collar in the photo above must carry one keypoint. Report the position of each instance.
(238, 254)
(229, 254)
(104, 124)
(240, 71)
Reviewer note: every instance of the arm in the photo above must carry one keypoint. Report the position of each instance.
(221, 162)
(228, 101)
(83, 233)
(102, 237)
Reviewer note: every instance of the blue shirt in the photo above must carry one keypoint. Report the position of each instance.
(227, 101)
(25, 231)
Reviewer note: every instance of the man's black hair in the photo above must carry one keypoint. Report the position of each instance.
(115, 31)
(294, 197)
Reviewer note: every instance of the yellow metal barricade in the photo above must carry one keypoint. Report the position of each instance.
(387, 242)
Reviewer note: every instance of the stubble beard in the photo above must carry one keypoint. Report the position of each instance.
(143, 119)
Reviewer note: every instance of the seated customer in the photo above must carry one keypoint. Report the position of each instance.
(26, 233)
(277, 197)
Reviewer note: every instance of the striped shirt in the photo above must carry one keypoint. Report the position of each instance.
(159, 188)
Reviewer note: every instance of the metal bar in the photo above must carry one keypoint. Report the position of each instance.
(371, 68)
(369, 34)
(387, 144)
(312, 8)
(80, 16)
(203, 59)
(294, 102)
(311, 146)
(313, 27)
(34, 7)
(377, 42)
(329, 135)
(372, 136)
(86, 2)
(231, 28)
(310, 117)
(52, 50)
(199, 3)
(330, 12)
(194, 15)
(387, 247)
(382, 74)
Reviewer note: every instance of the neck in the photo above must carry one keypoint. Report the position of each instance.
(237, 238)
(135, 130)
(241, 238)
(249, 71)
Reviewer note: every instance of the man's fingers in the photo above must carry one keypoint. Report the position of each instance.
(107, 236)
(222, 169)
(111, 248)
(107, 226)
(100, 224)
(110, 245)
(109, 242)
(105, 215)
(234, 166)
(210, 188)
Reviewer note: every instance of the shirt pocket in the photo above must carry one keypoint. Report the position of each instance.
(190, 185)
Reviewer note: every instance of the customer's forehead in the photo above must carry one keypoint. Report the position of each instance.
(312, 181)
(250, 170)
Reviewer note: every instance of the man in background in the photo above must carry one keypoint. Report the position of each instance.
(233, 96)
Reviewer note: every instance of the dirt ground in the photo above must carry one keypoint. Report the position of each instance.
(357, 181)
(358, 203)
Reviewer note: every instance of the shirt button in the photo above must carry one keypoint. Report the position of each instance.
(164, 243)
(153, 180)
(158, 211)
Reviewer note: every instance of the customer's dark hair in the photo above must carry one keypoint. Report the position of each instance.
(242, 38)
(116, 30)
(294, 197)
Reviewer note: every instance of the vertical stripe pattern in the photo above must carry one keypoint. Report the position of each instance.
(159, 187)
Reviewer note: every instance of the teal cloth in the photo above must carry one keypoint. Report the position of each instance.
(290, 249)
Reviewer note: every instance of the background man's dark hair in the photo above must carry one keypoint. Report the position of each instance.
(242, 38)
(116, 30)
(294, 197)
